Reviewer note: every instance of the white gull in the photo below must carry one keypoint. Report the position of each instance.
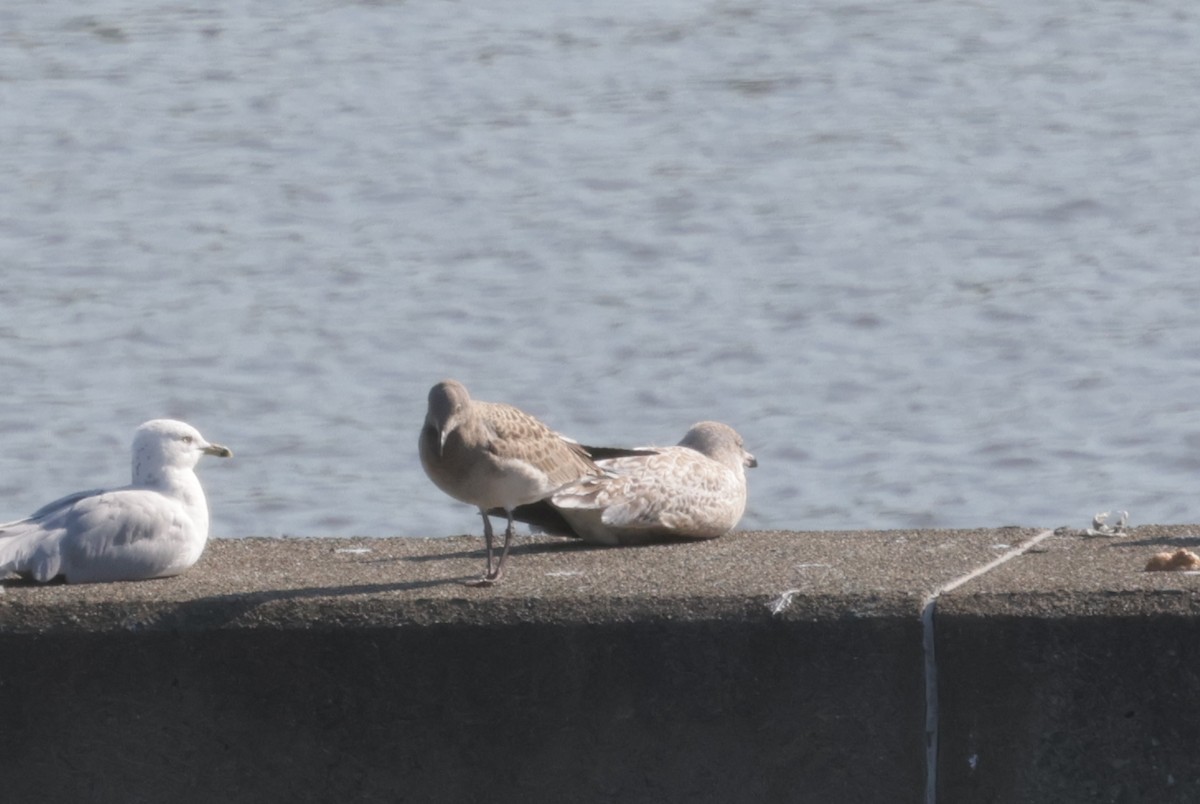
(155, 527)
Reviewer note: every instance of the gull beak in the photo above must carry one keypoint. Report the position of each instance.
(442, 441)
(217, 450)
(750, 460)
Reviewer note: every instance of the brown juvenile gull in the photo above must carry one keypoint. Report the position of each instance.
(695, 490)
(495, 456)
(155, 527)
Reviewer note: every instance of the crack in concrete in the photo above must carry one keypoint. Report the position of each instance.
(928, 609)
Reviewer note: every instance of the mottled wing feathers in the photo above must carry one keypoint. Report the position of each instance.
(515, 435)
(678, 491)
(505, 461)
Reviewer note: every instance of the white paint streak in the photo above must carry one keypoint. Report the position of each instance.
(781, 603)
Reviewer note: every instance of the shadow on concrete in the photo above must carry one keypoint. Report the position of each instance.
(255, 609)
(17, 582)
(516, 550)
(1158, 541)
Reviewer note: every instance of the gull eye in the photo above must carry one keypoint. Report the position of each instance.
(187, 439)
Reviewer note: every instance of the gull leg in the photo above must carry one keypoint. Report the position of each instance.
(509, 532)
(487, 540)
(487, 578)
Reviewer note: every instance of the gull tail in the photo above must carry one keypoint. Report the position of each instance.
(541, 515)
(604, 453)
(23, 549)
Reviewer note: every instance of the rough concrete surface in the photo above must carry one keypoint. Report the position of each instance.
(388, 582)
(762, 666)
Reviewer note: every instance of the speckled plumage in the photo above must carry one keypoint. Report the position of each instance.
(494, 456)
(695, 490)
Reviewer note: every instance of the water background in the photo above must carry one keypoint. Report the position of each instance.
(938, 262)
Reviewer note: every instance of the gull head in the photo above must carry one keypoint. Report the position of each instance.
(447, 401)
(719, 442)
(162, 443)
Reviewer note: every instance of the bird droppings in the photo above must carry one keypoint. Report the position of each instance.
(781, 603)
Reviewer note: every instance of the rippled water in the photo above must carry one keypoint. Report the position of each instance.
(938, 262)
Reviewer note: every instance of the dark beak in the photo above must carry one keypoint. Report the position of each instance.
(218, 450)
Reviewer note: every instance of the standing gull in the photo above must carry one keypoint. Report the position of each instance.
(695, 490)
(495, 456)
(154, 527)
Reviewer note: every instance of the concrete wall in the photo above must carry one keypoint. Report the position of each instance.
(763, 667)
(622, 712)
(1070, 710)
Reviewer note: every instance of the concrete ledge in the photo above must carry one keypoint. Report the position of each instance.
(758, 667)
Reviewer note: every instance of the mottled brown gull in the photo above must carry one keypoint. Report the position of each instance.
(695, 490)
(495, 457)
(155, 527)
